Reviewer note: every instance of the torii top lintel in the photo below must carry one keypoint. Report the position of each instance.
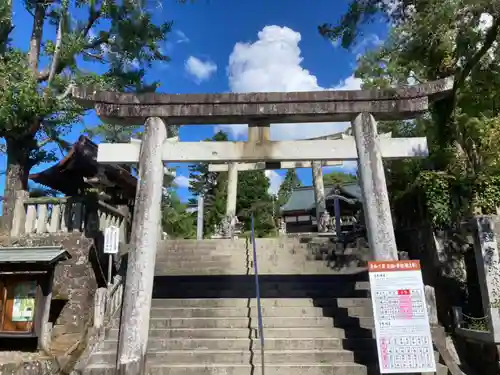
(402, 102)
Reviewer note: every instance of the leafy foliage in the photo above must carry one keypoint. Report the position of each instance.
(338, 178)
(176, 221)
(431, 40)
(290, 182)
(254, 199)
(213, 187)
(118, 37)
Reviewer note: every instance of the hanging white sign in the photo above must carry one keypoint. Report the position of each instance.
(111, 240)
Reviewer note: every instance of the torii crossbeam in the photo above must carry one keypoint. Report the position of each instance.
(317, 173)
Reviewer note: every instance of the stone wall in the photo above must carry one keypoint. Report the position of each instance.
(75, 280)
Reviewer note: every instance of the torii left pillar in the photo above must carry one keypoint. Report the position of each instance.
(134, 327)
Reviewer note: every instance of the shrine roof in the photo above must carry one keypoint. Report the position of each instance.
(271, 107)
(70, 175)
(45, 254)
(302, 198)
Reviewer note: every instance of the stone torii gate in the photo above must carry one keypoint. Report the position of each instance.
(317, 177)
(263, 135)
(156, 111)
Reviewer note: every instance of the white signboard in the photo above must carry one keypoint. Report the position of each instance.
(111, 240)
(404, 341)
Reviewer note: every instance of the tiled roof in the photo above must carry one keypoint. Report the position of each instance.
(47, 254)
(302, 198)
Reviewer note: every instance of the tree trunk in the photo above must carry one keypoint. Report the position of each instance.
(16, 179)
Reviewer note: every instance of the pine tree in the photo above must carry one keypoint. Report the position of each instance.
(213, 187)
(290, 182)
(253, 198)
(176, 221)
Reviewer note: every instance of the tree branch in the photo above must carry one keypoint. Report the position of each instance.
(93, 17)
(490, 38)
(44, 74)
(36, 35)
(58, 47)
(58, 67)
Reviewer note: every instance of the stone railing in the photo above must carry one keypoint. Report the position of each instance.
(108, 302)
(64, 215)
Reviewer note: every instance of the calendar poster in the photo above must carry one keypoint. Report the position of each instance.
(404, 340)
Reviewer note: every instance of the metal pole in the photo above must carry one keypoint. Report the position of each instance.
(199, 222)
(257, 292)
(110, 268)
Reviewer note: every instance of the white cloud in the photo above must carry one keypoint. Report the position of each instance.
(273, 63)
(366, 44)
(182, 181)
(181, 37)
(275, 180)
(200, 70)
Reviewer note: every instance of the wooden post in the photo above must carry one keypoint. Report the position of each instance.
(141, 259)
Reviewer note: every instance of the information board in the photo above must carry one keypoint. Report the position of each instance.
(23, 305)
(111, 240)
(404, 340)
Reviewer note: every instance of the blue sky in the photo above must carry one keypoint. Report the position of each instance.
(244, 46)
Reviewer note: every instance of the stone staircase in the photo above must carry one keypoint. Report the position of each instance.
(317, 313)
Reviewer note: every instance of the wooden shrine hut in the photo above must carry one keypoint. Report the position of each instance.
(79, 171)
(300, 210)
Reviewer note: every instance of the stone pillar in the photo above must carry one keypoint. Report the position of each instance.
(232, 191)
(19, 214)
(373, 185)
(338, 223)
(319, 191)
(282, 227)
(199, 218)
(141, 258)
(487, 256)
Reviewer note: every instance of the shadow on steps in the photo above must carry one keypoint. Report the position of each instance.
(271, 286)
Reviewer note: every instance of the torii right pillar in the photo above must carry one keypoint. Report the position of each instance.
(376, 205)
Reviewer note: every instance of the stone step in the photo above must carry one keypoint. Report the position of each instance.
(174, 357)
(264, 265)
(64, 342)
(62, 329)
(262, 255)
(292, 311)
(246, 369)
(281, 369)
(356, 275)
(268, 322)
(246, 343)
(163, 269)
(265, 302)
(267, 281)
(228, 333)
(166, 291)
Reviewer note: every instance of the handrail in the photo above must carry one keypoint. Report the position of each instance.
(257, 293)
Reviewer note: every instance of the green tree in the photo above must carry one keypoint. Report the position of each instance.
(339, 178)
(431, 40)
(35, 105)
(213, 187)
(176, 221)
(290, 182)
(253, 198)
